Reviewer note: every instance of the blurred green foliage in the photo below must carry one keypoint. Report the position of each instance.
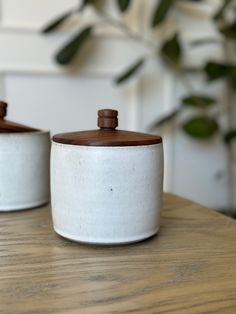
(203, 124)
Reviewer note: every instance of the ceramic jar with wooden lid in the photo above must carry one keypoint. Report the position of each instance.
(106, 184)
(24, 165)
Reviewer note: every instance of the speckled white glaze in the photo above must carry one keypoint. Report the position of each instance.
(24, 170)
(106, 195)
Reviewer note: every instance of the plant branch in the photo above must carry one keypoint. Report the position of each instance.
(125, 29)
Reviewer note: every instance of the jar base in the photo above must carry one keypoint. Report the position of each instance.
(107, 243)
(14, 208)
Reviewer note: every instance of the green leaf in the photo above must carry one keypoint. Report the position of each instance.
(56, 23)
(165, 119)
(229, 31)
(69, 51)
(215, 70)
(130, 71)
(231, 75)
(88, 2)
(199, 101)
(161, 11)
(171, 50)
(94, 3)
(123, 4)
(229, 136)
(222, 9)
(201, 127)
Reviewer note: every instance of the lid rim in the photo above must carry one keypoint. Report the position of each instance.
(107, 138)
(37, 131)
(7, 126)
(107, 146)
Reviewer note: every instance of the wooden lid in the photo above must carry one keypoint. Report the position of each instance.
(107, 135)
(8, 126)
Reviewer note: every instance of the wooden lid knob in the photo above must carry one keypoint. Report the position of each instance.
(3, 109)
(107, 119)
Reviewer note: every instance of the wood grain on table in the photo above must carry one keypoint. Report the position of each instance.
(190, 267)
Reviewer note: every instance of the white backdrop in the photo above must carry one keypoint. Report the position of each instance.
(44, 95)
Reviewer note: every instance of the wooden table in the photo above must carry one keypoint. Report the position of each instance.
(190, 267)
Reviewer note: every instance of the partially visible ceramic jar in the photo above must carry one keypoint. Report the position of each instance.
(106, 184)
(24, 165)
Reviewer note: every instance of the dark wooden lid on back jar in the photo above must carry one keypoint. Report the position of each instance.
(8, 126)
(107, 135)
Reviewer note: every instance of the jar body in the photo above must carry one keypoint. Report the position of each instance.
(106, 195)
(24, 170)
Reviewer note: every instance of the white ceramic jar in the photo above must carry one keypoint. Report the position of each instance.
(106, 184)
(24, 165)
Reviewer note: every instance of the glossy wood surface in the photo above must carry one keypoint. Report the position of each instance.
(107, 119)
(107, 138)
(8, 126)
(188, 268)
(107, 135)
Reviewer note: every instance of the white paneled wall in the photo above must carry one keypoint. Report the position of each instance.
(32, 14)
(44, 95)
(61, 103)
